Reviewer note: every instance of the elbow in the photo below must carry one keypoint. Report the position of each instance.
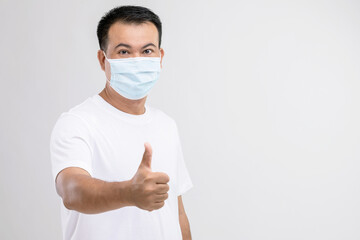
(71, 187)
(75, 200)
(68, 203)
(71, 197)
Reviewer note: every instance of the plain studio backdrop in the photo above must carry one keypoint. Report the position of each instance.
(265, 94)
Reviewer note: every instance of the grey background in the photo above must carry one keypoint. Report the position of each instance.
(265, 94)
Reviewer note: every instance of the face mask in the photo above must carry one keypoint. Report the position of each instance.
(133, 78)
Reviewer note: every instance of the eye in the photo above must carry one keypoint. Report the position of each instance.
(148, 51)
(122, 52)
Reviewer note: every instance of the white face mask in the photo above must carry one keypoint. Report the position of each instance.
(133, 78)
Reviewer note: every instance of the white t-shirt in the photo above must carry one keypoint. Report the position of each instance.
(109, 144)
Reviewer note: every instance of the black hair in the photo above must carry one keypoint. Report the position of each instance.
(125, 14)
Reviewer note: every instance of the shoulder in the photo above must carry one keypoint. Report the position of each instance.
(81, 112)
(74, 121)
(85, 109)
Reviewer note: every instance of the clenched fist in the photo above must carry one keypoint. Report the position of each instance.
(148, 190)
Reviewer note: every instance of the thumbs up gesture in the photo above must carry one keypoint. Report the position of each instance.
(148, 190)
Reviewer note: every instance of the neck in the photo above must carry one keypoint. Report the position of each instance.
(135, 107)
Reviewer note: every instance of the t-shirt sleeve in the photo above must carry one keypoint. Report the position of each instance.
(184, 180)
(70, 144)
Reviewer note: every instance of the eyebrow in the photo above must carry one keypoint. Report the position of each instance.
(128, 46)
(122, 45)
(147, 45)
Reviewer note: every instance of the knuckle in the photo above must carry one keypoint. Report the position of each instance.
(149, 190)
(145, 188)
(148, 178)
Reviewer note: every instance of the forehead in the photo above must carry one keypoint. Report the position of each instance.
(134, 34)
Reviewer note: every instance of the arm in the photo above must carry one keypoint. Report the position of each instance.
(184, 222)
(85, 194)
(81, 192)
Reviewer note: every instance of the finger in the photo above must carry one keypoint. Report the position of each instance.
(158, 205)
(161, 177)
(161, 197)
(147, 156)
(162, 188)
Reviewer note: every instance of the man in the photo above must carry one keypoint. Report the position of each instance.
(117, 162)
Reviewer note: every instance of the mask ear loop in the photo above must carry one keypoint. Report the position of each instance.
(110, 67)
(105, 55)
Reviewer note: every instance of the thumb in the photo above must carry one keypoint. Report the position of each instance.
(146, 160)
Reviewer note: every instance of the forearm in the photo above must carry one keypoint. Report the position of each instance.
(146, 189)
(185, 226)
(89, 195)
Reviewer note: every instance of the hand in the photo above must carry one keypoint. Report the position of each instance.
(148, 190)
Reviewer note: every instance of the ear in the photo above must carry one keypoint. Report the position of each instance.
(101, 58)
(162, 53)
